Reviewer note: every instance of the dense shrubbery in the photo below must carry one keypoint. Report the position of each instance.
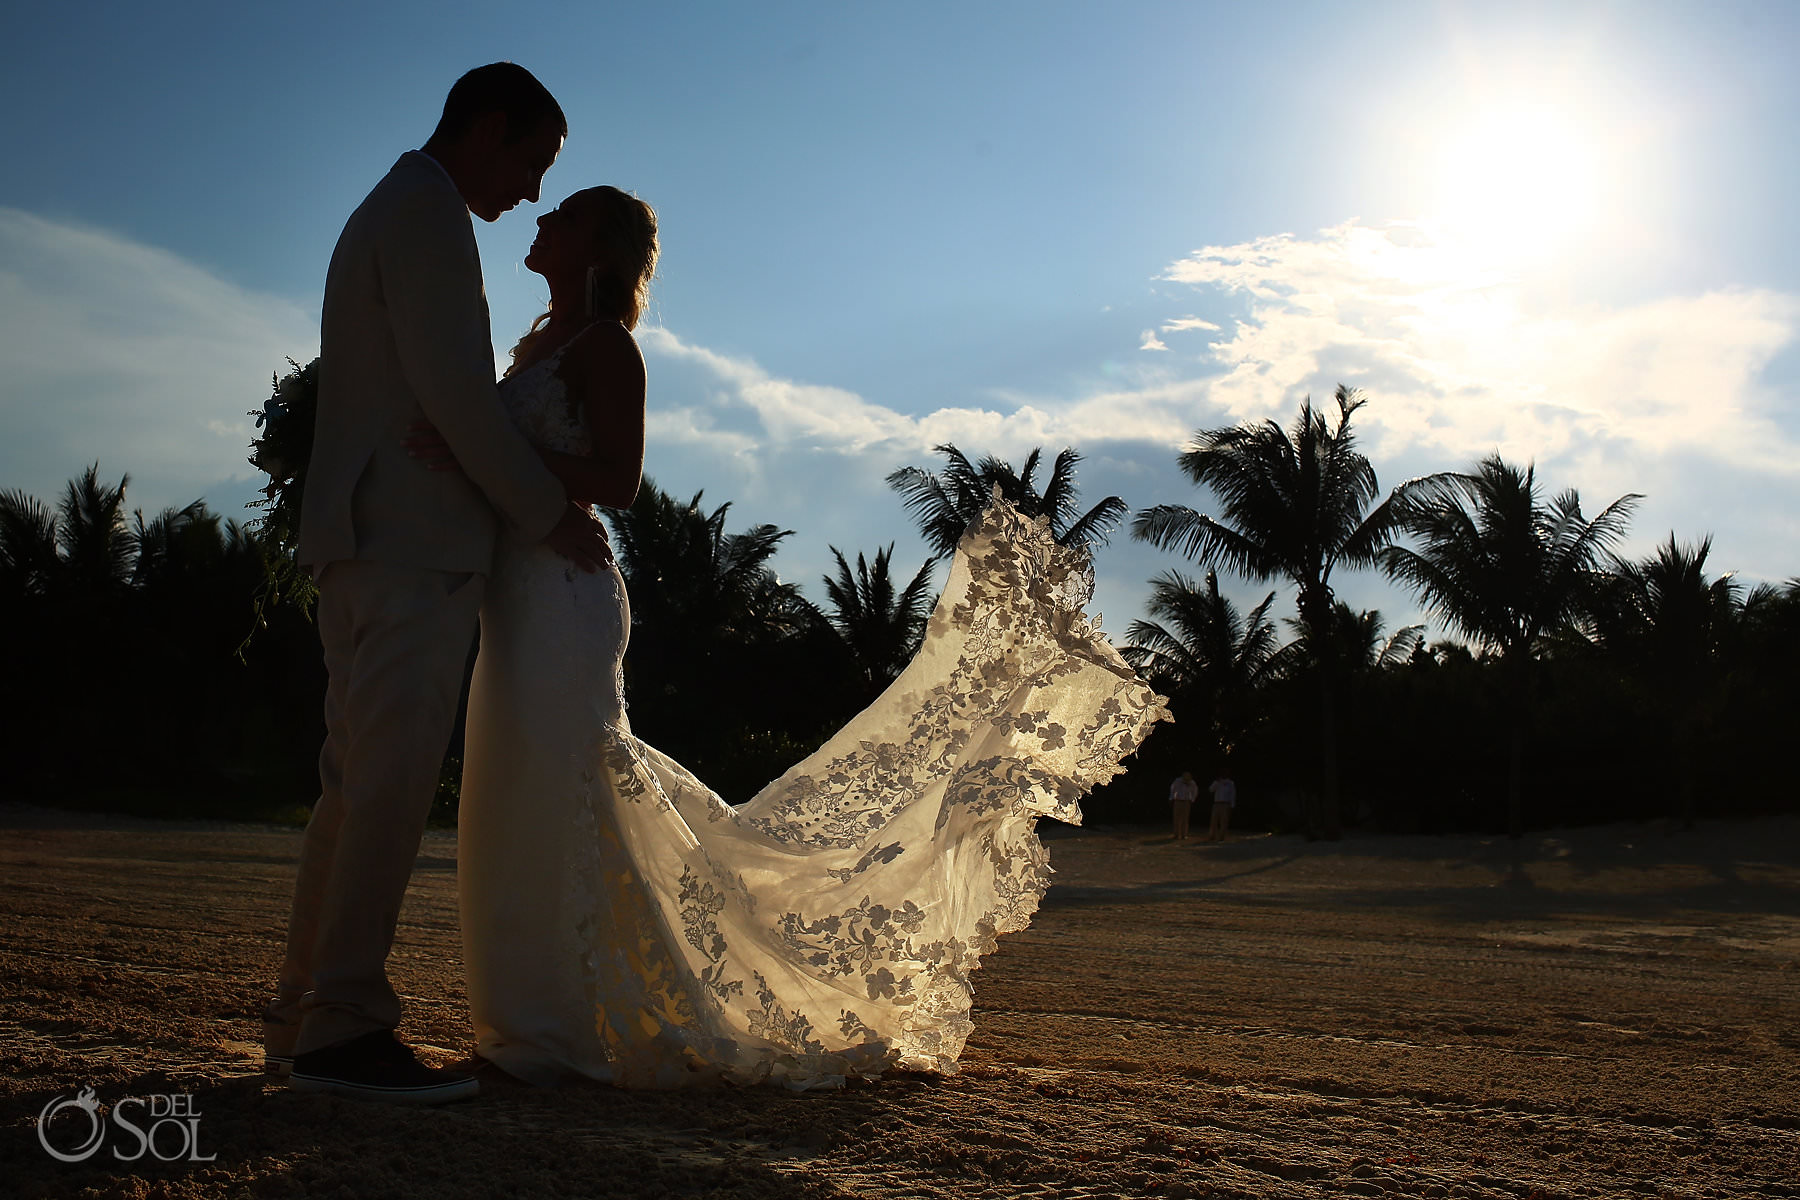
(1597, 689)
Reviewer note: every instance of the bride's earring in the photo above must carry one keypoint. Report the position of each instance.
(593, 301)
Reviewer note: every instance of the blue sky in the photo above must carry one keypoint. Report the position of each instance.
(1559, 231)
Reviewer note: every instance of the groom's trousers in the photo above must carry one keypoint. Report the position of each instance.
(396, 641)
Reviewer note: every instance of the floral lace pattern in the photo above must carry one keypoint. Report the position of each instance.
(539, 404)
(622, 922)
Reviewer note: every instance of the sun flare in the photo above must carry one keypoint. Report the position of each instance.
(1521, 178)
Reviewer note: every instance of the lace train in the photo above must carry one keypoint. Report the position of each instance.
(622, 922)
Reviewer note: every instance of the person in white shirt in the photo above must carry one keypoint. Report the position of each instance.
(1182, 794)
(1224, 794)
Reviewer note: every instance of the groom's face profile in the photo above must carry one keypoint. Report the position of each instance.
(511, 172)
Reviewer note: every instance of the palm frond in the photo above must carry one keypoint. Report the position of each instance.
(1400, 645)
(1204, 541)
(28, 541)
(879, 626)
(944, 503)
(96, 546)
(1095, 527)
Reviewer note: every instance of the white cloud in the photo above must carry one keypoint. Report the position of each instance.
(815, 458)
(741, 408)
(126, 354)
(1666, 396)
(790, 412)
(1185, 324)
(1463, 358)
(1669, 395)
(120, 352)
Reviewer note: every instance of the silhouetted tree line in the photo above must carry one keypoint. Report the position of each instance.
(128, 683)
(1582, 686)
(1576, 686)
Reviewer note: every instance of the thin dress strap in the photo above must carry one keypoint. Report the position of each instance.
(585, 330)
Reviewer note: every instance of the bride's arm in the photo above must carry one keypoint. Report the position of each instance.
(606, 370)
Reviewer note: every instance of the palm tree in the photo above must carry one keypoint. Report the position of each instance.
(1769, 611)
(1665, 610)
(1356, 638)
(685, 573)
(1505, 570)
(1664, 617)
(1200, 651)
(181, 543)
(944, 503)
(1371, 651)
(28, 558)
(1294, 504)
(880, 627)
(82, 550)
(97, 550)
(730, 670)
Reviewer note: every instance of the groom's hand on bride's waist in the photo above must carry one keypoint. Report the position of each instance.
(580, 537)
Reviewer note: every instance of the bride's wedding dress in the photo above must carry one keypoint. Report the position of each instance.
(622, 922)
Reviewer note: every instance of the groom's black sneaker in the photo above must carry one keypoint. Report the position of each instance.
(376, 1066)
(278, 1044)
(279, 1036)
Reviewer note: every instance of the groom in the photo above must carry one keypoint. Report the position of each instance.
(401, 554)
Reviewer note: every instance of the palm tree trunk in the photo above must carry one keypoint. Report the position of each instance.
(1518, 664)
(1333, 814)
(1316, 614)
(1515, 770)
(1687, 749)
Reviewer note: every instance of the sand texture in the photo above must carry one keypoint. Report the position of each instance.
(1607, 1012)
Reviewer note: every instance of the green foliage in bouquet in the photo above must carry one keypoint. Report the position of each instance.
(282, 451)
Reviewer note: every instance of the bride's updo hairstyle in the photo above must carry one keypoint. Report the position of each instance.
(625, 250)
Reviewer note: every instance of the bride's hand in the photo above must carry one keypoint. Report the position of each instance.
(425, 443)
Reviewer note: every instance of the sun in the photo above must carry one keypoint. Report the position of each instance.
(1524, 177)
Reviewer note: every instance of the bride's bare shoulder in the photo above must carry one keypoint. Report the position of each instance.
(606, 351)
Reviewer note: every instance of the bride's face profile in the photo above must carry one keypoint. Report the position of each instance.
(597, 250)
(566, 245)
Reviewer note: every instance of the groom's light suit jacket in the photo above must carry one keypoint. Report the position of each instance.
(405, 338)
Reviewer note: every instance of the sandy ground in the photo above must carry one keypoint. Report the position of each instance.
(1604, 1012)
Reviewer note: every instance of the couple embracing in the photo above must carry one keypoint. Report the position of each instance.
(621, 922)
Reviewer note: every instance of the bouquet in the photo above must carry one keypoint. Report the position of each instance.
(282, 451)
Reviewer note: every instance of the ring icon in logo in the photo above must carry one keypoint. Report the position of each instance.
(85, 1102)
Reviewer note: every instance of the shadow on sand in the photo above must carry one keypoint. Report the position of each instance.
(582, 1140)
(1629, 870)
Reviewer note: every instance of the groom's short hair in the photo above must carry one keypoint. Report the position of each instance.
(501, 87)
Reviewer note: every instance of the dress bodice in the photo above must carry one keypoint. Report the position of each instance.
(538, 402)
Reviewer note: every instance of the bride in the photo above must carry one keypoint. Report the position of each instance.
(620, 921)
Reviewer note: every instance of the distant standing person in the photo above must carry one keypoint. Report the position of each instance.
(1224, 794)
(1182, 794)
